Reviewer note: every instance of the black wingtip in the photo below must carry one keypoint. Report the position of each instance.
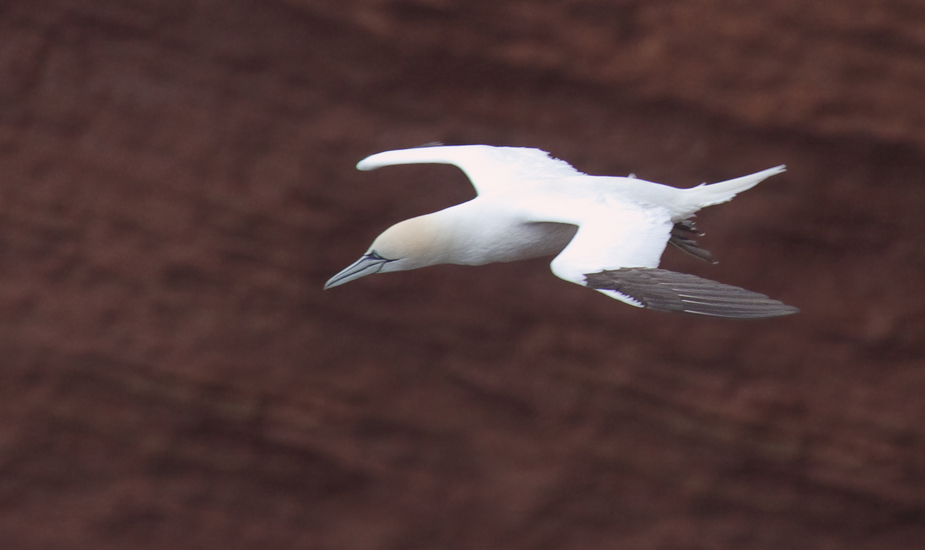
(664, 290)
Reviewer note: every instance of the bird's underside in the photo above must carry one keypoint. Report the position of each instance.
(664, 290)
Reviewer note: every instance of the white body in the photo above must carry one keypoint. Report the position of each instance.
(531, 205)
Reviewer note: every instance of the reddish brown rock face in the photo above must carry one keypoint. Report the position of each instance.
(177, 183)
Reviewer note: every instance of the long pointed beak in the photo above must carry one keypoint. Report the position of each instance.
(367, 265)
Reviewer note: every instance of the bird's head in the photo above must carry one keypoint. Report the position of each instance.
(410, 244)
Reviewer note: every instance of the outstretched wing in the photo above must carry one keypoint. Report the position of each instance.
(617, 250)
(664, 290)
(490, 169)
(612, 236)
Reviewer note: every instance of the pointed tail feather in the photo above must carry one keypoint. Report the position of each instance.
(707, 195)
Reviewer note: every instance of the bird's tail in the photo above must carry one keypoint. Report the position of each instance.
(707, 195)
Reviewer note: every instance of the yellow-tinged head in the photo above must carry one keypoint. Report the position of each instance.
(414, 243)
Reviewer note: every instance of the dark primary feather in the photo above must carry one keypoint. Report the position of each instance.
(682, 236)
(665, 290)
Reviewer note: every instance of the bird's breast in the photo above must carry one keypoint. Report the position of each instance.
(510, 242)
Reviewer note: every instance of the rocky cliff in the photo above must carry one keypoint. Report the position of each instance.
(177, 182)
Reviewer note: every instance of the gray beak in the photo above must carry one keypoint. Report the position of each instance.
(367, 265)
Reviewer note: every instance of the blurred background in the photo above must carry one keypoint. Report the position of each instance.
(177, 182)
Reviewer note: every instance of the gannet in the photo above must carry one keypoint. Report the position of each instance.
(606, 233)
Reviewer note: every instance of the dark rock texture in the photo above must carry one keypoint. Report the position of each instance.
(177, 183)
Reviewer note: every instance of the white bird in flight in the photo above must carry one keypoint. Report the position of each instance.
(607, 233)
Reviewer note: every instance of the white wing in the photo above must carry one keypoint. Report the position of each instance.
(616, 251)
(490, 169)
(611, 238)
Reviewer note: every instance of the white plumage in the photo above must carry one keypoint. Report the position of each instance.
(608, 233)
